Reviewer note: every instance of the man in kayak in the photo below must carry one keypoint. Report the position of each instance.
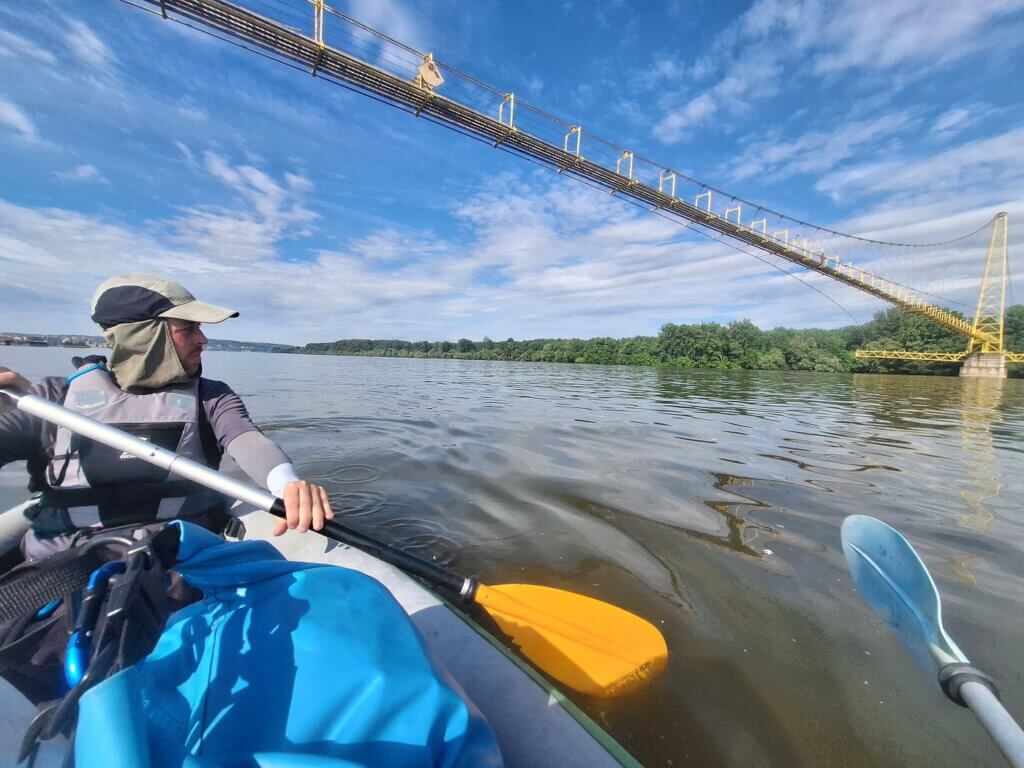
(153, 387)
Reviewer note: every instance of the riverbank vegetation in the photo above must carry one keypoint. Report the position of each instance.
(737, 345)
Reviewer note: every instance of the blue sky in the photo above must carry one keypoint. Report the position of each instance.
(128, 143)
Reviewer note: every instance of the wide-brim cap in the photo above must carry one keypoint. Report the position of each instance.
(133, 298)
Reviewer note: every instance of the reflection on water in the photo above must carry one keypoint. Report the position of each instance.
(980, 410)
(981, 401)
(743, 529)
(708, 502)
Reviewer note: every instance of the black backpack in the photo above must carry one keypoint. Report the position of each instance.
(74, 618)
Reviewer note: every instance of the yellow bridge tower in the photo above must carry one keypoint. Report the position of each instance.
(986, 355)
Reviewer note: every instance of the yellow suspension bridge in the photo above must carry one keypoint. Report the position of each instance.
(421, 91)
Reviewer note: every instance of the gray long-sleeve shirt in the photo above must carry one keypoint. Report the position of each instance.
(26, 437)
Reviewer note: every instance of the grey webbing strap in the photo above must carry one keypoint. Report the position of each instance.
(29, 588)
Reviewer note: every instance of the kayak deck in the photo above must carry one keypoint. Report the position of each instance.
(533, 723)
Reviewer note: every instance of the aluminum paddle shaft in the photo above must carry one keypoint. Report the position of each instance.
(230, 487)
(997, 721)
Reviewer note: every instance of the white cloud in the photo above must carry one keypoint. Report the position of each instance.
(12, 116)
(951, 120)
(754, 74)
(192, 112)
(265, 214)
(610, 270)
(87, 47)
(814, 151)
(542, 257)
(676, 125)
(663, 70)
(981, 169)
(885, 34)
(15, 46)
(53, 256)
(534, 85)
(873, 34)
(776, 40)
(186, 153)
(393, 246)
(84, 172)
(387, 16)
(958, 119)
(298, 182)
(669, 73)
(527, 269)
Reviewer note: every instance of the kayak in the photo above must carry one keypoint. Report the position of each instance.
(533, 723)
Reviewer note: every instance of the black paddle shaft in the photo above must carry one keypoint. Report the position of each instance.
(440, 577)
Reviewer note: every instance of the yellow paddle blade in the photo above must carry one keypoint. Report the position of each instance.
(588, 645)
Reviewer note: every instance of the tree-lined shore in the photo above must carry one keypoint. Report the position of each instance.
(737, 345)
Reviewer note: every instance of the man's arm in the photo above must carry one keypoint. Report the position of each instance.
(23, 436)
(261, 459)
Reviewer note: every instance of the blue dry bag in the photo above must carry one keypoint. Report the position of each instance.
(281, 665)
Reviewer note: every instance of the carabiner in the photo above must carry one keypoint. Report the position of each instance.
(79, 647)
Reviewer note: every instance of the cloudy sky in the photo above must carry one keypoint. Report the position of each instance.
(129, 143)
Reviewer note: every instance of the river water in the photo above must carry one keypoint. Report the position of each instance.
(707, 502)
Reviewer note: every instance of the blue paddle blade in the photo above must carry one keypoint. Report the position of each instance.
(893, 580)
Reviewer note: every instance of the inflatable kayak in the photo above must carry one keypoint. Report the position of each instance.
(532, 722)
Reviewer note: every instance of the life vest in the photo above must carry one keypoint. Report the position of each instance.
(99, 486)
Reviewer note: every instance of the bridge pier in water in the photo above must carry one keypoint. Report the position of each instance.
(984, 365)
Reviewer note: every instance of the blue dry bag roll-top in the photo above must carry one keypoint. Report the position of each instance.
(282, 664)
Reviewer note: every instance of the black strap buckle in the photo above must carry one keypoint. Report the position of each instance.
(160, 552)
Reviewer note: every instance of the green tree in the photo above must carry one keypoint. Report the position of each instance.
(740, 344)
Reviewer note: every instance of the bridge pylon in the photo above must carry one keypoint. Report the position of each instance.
(986, 355)
(987, 358)
(991, 311)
